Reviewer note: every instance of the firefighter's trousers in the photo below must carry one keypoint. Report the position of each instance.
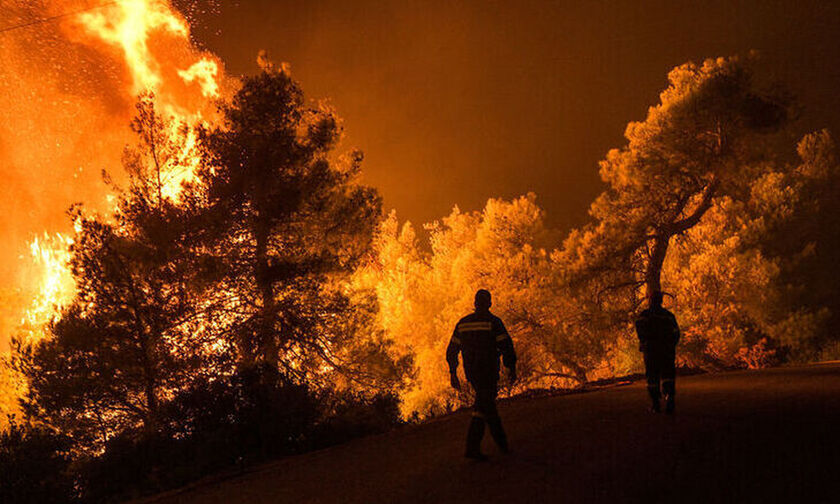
(484, 411)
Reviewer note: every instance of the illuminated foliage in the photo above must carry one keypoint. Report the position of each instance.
(695, 198)
(502, 248)
(749, 279)
(700, 142)
(704, 142)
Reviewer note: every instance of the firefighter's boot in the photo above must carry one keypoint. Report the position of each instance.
(653, 391)
(474, 435)
(498, 432)
(669, 388)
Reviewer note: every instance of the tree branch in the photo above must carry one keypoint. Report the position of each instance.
(679, 226)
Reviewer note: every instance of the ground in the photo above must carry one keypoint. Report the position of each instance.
(754, 436)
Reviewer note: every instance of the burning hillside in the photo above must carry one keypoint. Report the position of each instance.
(70, 74)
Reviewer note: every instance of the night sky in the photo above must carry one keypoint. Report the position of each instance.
(456, 102)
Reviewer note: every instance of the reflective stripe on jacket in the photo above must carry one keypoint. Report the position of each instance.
(481, 338)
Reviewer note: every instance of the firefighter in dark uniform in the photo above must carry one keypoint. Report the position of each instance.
(481, 338)
(658, 337)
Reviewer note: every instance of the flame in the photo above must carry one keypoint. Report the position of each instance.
(204, 72)
(188, 159)
(50, 255)
(128, 25)
(146, 45)
(149, 35)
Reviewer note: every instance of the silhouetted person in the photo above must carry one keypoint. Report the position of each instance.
(658, 337)
(481, 338)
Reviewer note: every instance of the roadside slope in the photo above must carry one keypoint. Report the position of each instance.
(761, 436)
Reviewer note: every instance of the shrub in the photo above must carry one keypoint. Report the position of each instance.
(34, 466)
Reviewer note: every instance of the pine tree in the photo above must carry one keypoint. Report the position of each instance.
(287, 221)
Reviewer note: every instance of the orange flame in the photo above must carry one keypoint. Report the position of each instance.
(150, 35)
(204, 72)
(128, 25)
(150, 40)
(50, 255)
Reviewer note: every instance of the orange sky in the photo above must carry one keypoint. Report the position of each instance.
(455, 102)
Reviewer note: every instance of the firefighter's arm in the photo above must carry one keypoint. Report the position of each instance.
(452, 352)
(504, 344)
(676, 331)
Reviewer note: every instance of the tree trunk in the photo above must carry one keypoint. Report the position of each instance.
(266, 340)
(150, 423)
(653, 272)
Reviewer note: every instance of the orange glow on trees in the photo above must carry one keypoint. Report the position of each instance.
(701, 141)
(696, 179)
(287, 222)
(503, 248)
(239, 280)
(129, 339)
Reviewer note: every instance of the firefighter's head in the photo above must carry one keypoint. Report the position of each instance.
(656, 299)
(482, 300)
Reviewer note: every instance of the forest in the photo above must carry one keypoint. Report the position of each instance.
(269, 305)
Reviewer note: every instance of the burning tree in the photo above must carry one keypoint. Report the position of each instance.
(127, 343)
(219, 314)
(181, 288)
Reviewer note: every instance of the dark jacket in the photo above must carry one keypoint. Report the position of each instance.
(657, 330)
(481, 338)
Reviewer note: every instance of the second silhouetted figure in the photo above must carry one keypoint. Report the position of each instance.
(481, 338)
(658, 337)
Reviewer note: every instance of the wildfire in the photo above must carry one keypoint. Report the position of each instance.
(150, 35)
(185, 163)
(127, 25)
(50, 255)
(204, 72)
(150, 40)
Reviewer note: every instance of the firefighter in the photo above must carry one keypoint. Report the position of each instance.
(658, 337)
(481, 338)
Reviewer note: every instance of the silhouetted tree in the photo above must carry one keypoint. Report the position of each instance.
(35, 466)
(286, 221)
